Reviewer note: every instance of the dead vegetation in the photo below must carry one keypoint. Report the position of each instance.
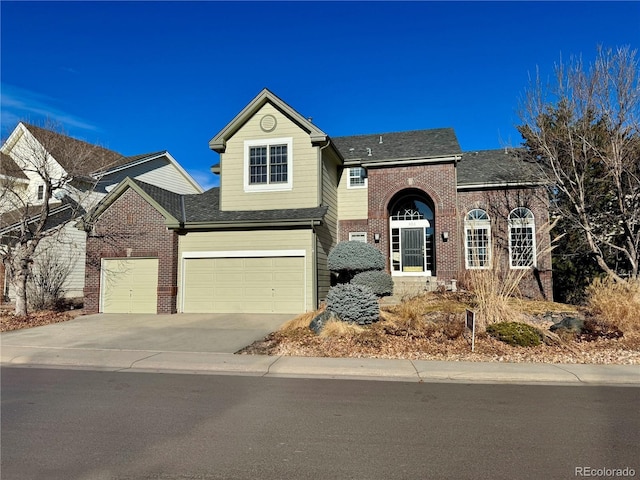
(431, 327)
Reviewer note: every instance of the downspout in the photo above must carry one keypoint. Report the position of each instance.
(316, 275)
(183, 212)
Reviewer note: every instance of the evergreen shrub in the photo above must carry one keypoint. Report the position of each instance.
(355, 256)
(353, 303)
(379, 281)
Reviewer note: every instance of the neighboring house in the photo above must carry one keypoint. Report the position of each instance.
(94, 171)
(288, 193)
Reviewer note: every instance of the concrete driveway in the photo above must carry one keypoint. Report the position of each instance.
(207, 333)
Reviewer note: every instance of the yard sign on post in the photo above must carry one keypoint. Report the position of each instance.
(470, 323)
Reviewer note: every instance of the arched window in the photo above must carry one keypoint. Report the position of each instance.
(477, 233)
(522, 238)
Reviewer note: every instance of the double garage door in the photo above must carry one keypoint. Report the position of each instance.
(129, 285)
(244, 285)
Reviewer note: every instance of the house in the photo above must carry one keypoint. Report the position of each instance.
(288, 193)
(92, 171)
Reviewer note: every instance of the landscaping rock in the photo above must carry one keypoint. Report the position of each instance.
(569, 324)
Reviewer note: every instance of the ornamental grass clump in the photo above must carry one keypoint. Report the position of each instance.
(614, 304)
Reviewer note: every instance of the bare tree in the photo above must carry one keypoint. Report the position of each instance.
(59, 187)
(584, 132)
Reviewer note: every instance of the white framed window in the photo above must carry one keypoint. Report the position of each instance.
(268, 164)
(358, 236)
(477, 234)
(522, 238)
(40, 192)
(357, 177)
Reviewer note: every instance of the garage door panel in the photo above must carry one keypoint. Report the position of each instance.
(130, 285)
(244, 284)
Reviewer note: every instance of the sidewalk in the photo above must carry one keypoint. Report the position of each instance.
(303, 367)
(204, 344)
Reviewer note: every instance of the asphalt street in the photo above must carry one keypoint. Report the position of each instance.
(74, 424)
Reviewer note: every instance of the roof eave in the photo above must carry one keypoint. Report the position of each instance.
(219, 142)
(405, 161)
(487, 185)
(245, 224)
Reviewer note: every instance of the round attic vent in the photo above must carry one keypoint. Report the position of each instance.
(268, 123)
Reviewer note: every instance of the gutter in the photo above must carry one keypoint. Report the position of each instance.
(408, 161)
(480, 186)
(244, 224)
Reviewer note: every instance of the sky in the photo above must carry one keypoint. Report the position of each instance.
(140, 77)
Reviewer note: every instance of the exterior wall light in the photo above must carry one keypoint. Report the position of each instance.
(376, 237)
(445, 236)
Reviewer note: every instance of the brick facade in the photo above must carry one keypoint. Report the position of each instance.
(131, 227)
(437, 183)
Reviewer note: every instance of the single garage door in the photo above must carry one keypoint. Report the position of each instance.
(245, 285)
(129, 285)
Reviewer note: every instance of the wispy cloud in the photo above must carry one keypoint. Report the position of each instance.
(18, 104)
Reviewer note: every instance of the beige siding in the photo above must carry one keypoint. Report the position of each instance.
(304, 171)
(352, 202)
(250, 241)
(327, 234)
(129, 285)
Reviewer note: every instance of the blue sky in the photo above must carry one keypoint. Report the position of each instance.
(148, 76)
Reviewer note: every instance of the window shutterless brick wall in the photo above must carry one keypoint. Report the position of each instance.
(498, 203)
(131, 227)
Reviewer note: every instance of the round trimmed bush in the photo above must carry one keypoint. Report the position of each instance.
(353, 303)
(355, 256)
(514, 333)
(380, 282)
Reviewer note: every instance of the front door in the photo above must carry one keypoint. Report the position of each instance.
(412, 249)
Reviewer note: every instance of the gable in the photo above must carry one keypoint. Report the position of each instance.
(158, 169)
(269, 127)
(218, 142)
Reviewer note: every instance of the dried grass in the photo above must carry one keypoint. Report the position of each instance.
(615, 304)
(301, 321)
(335, 328)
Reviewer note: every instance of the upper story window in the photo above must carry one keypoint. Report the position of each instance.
(522, 238)
(357, 177)
(477, 232)
(268, 164)
(40, 192)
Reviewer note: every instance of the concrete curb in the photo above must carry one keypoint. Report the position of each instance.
(308, 367)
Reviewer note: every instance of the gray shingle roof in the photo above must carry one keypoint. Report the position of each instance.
(205, 208)
(9, 168)
(133, 159)
(170, 201)
(488, 167)
(397, 145)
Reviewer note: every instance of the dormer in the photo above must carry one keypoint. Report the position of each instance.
(269, 157)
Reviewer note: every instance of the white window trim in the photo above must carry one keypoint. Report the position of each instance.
(528, 222)
(349, 186)
(360, 234)
(485, 225)
(477, 224)
(269, 187)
